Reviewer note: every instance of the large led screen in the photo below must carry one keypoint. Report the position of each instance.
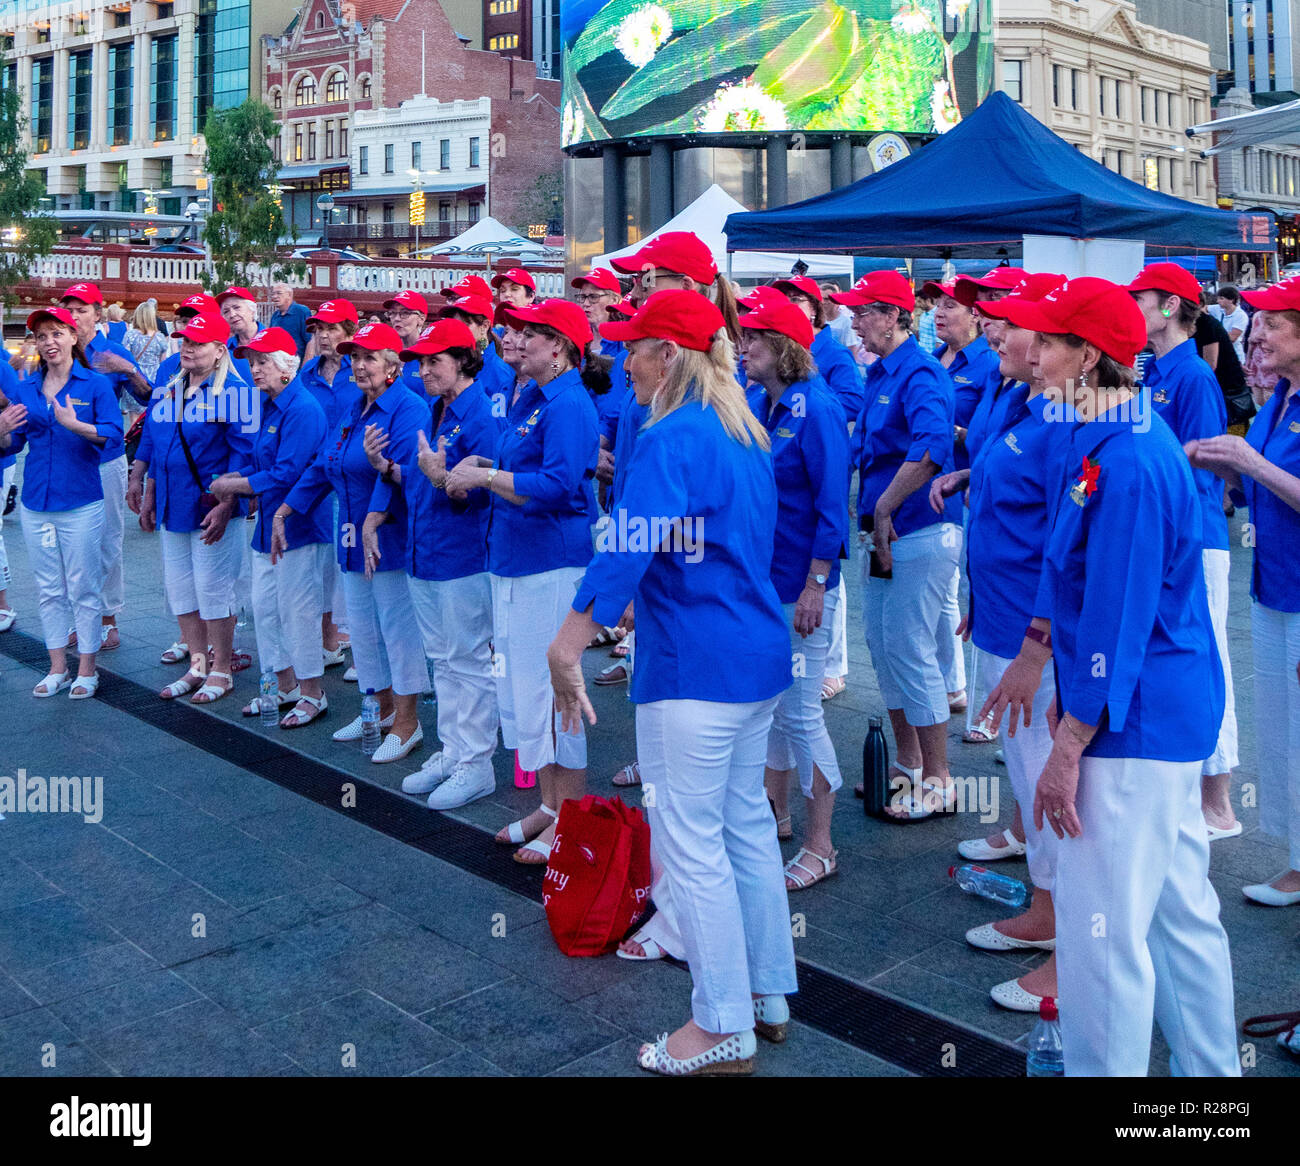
(635, 68)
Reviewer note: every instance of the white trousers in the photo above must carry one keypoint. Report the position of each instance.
(332, 581)
(837, 656)
(1137, 926)
(902, 622)
(287, 609)
(1275, 636)
(1216, 565)
(527, 611)
(978, 687)
(66, 556)
(455, 618)
(948, 644)
(714, 837)
(386, 646)
(1026, 753)
(799, 739)
(199, 577)
(6, 480)
(112, 476)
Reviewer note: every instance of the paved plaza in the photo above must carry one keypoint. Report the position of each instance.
(217, 920)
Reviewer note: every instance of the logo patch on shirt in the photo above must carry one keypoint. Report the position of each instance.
(882, 400)
(1295, 427)
(1160, 397)
(1015, 445)
(782, 431)
(962, 380)
(270, 428)
(77, 401)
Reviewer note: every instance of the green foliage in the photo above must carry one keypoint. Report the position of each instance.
(33, 234)
(537, 203)
(245, 224)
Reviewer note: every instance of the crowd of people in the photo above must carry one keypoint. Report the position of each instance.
(478, 492)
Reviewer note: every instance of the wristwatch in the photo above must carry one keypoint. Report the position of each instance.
(820, 580)
(1038, 636)
(492, 473)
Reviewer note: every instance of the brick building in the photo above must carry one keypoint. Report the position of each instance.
(340, 57)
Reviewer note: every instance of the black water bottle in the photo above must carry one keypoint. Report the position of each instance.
(875, 771)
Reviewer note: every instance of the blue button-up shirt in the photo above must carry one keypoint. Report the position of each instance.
(1184, 391)
(343, 467)
(219, 428)
(999, 409)
(810, 454)
(842, 374)
(630, 419)
(610, 404)
(167, 369)
(8, 390)
(907, 414)
(291, 435)
(550, 446)
(101, 345)
(1124, 587)
(1275, 569)
(294, 321)
(975, 372)
(335, 397)
(239, 364)
(709, 624)
(446, 538)
(498, 380)
(62, 467)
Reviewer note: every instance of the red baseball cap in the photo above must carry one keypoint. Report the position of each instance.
(683, 252)
(469, 285)
(966, 288)
(334, 312)
(600, 277)
(1098, 311)
(786, 318)
(59, 315)
(1033, 285)
(625, 308)
(1168, 277)
(208, 328)
(1278, 297)
(199, 305)
(932, 289)
(411, 300)
(87, 293)
(566, 318)
(879, 287)
(479, 306)
(373, 338)
(798, 283)
(515, 275)
(685, 317)
(766, 294)
(242, 292)
(438, 337)
(269, 340)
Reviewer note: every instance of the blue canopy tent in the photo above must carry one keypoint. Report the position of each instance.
(979, 189)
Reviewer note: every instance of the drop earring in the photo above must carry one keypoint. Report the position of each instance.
(1083, 379)
(555, 363)
(1166, 312)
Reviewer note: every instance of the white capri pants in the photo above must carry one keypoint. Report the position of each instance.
(948, 644)
(332, 581)
(66, 556)
(1216, 564)
(6, 480)
(1026, 753)
(287, 609)
(713, 835)
(386, 645)
(527, 611)
(799, 739)
(902, 617)
(199, 577)
(112, 476)
(1275, 636)
(455, 618)
(1137, 926)
(837, 656)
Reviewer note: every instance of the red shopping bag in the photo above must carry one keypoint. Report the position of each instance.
(597, 881)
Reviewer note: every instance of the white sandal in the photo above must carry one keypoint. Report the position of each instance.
(514, 833)
(283, 700)
(651, 949)
(53, 684)
(733, 1057)
(534, 847)
(211, 692)
(88, 686)
(829, 868)
(979, 850)
(176, 653)
(317, 703)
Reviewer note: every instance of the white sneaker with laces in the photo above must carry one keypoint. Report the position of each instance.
(430, 776)
(466, 784)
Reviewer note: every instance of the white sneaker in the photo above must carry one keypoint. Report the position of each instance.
(350, 675)
(465, 785)
(393, 748)
(431, 775)
(7, 617)
(352, 730)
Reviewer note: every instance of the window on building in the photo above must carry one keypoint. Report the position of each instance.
(165, 169)
(388, 212)
(320, 20)
(1056, 85)
(388, 158)
(79, 87)
(121, 76)
(1102, 82)
(1076, 79)
(42, 104)
(311, 141)
(365, 88)
(444, 211)
(501, 43)
(475, 212)
(503, 7)
(1013, 79)
(297, 142)
(276, 147)
(336, 89)
(162, 83)
(1145, 96)
(305, 91)
(1119, 98)
(343, 137)
(277, 99)
(444, 154)
(415, 155)
(329, 139)
(162, 11)
(363, 160)
(473, 152)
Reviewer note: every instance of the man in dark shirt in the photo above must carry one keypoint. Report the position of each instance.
(290, 316)
(1211, 335)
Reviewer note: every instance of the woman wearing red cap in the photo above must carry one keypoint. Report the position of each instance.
(538, 543)
(515, 288)
(1263, 471)
(901, 440)
(286, 581)
(199, 428)
(714, 659)
(1186, 394)
(64, 413)
(681, 260)
(1122, 613)
(497, 379)
(810, 452)
(408, 313)
(385, 634)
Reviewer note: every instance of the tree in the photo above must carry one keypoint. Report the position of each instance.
(25, 234)
(246, 222)
(543, 202)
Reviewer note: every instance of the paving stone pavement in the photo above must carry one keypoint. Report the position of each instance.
(215, 923)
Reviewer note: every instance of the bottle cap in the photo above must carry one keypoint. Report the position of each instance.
(370, 692)
(952, 870)
(1047, 1009)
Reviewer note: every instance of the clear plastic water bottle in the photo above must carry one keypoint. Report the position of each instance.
(1045, 1058)
(268, 699)
(977, 880)
(370, 731)
(430, 697)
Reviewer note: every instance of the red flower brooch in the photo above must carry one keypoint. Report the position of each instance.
(1086, 484)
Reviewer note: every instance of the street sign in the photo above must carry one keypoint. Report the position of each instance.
(325, 202)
